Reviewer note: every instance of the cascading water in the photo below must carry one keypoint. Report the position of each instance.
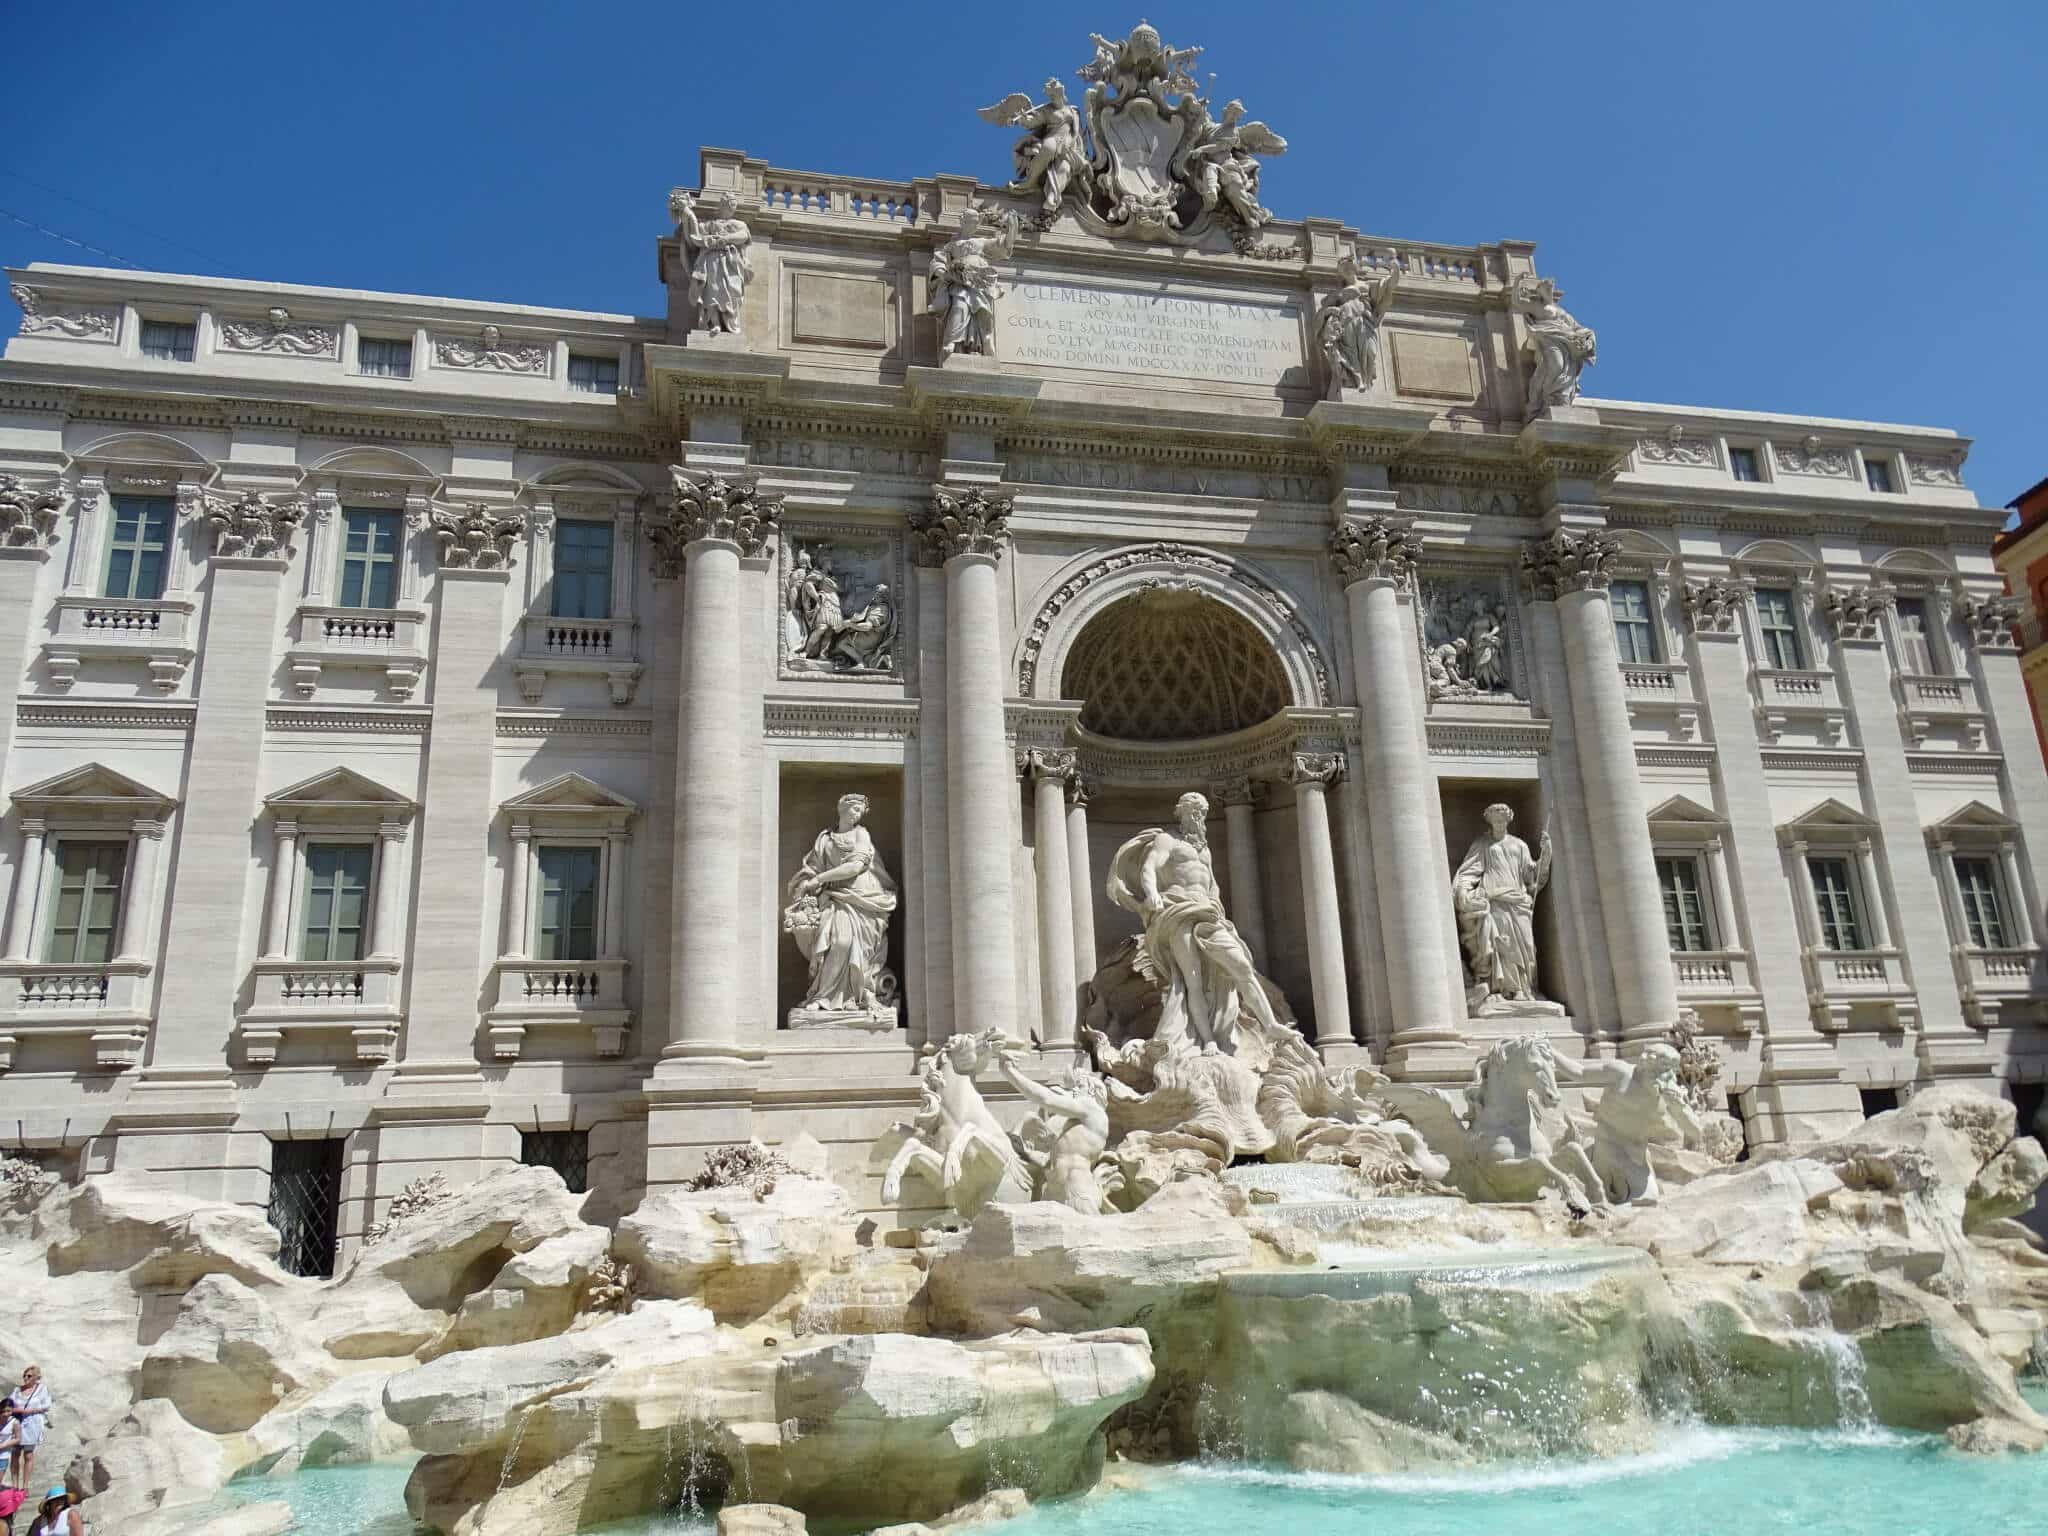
(1841, 1361)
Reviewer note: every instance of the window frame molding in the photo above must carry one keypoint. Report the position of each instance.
(1837, 980)
(1720, 982)
(605, 648)
(1786, 695)
(325, 633)
(1988, 976)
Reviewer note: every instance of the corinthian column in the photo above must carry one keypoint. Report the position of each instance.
(1574, 571)
(966, 533)
(1049, 773)
(1247, 901)
(1081, 877)
(708, 526)
(1375, 558)
(1311, 774)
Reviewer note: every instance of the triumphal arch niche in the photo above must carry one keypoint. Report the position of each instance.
(1090, 489)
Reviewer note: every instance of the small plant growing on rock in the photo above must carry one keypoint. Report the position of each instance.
(420, 1195)
(743, 1165)
(23, 1181)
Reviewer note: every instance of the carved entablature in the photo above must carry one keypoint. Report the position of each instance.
(1462, 500)
(707, 505)
(28, 515)
(250, 525)
(1854, 613)
(1675, 446)
(476, 536)
(1715, 605)
(1374, 549)
(970, 522)
(1563, 561)
(1990, 621)
(1813, 457)
(277, 332)
(40, 319)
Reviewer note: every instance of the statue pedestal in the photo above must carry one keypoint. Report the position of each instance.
(857, 1021)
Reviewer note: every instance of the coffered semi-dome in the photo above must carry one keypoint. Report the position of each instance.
(1168, 665)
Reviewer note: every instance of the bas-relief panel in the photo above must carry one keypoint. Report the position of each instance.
(1471, 636)
(841, 616)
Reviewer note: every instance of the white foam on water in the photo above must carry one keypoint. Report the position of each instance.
(1683, 1447)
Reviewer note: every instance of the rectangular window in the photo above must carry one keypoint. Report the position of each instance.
(1775, 621)
(1685, 912)
(305, 1200)
(594, 375)
(583, 571)
(1742, 463)
(170, 340)
(1916, 645)
(140, 545)
(88, 902)
(1839, 927)
(568, 904)
(567, 1152)
(369, 559)
(1983, 916)
(1877, 474)
(337, 899)
(1635, 632)
(381, 359)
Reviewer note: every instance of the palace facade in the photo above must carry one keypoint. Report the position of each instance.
(417, 708)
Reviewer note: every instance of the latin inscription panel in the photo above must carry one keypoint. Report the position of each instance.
(1144, 331)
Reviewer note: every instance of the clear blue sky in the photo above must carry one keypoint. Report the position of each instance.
(1832, 208)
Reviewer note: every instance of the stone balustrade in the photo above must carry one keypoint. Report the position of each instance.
(291, 997)
(157, 632)
(389, 640)
(586, 995)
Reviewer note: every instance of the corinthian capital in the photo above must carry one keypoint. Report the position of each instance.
(1036, 763)
(1320, 769)
(970, 522)
(249, 525)
(28, 518)
(1713, 604)
(1374, 549)
(1989, 622)
(709, 506)
(1853, 612)
(476, 537)
(1563, 561)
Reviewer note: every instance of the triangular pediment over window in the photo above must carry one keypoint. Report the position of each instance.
(570, 792)
(1681, 811)
(1830, 816)
(94, 787)
(1976, 816)
(338, 790)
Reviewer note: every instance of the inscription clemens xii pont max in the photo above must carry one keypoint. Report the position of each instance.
(1133, 330)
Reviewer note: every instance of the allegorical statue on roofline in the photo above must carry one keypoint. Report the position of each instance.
(1161, 166)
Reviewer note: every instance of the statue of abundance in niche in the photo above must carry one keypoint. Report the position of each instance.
(840, 902)
(1166, 877)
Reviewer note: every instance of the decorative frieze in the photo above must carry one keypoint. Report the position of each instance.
(1714, 605)
(1853, 613)
(1989, 621)
(490, 352)
(1675, 446)
(952, 524)
(476, 537)
(707, 505)
(1813, 457)
(249, 525)
(1944, 470)
(1465, 648)
(39, 319)
(1563, 561)
(278, 332)
(1374, 549)
(1458, 500)
(28, 516)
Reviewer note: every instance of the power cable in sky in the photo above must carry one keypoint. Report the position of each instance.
(56, 234)
(94, 208)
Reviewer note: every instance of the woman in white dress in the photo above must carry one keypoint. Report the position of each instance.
(57, 1517)
(839, 914)
(28, 1405)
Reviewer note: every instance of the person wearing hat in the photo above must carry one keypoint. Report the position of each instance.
(56, 1517)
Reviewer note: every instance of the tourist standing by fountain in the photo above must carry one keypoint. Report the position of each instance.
(29, 1406)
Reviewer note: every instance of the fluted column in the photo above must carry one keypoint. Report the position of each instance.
(1081, 880)
(966, 533)
(28, 877)
(1048, 772)
(1247, 900)
(1311, 774)
(710, 524)
(1375, 559)
(1574, 571)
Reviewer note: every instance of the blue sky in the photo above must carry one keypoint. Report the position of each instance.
(1831, 208)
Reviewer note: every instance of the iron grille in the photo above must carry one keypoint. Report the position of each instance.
(305, 1199)
(567, 1152)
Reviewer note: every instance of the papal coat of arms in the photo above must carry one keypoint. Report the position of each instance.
(1162, 166)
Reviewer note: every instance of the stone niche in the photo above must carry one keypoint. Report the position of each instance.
(809, 803)
(1464, 805)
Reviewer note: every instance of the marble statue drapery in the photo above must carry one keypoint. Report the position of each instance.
(840, 902)
(1495, 890)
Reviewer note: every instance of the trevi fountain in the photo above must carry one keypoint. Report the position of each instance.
(1186, 893)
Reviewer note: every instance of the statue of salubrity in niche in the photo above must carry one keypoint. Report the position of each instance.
(1494, 894)
(840, 900)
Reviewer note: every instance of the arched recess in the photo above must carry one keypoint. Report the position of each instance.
(1774, 552)
(372, 461)
(585, 474)
(1917, 564)
(140, 448)
(1090, 584)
